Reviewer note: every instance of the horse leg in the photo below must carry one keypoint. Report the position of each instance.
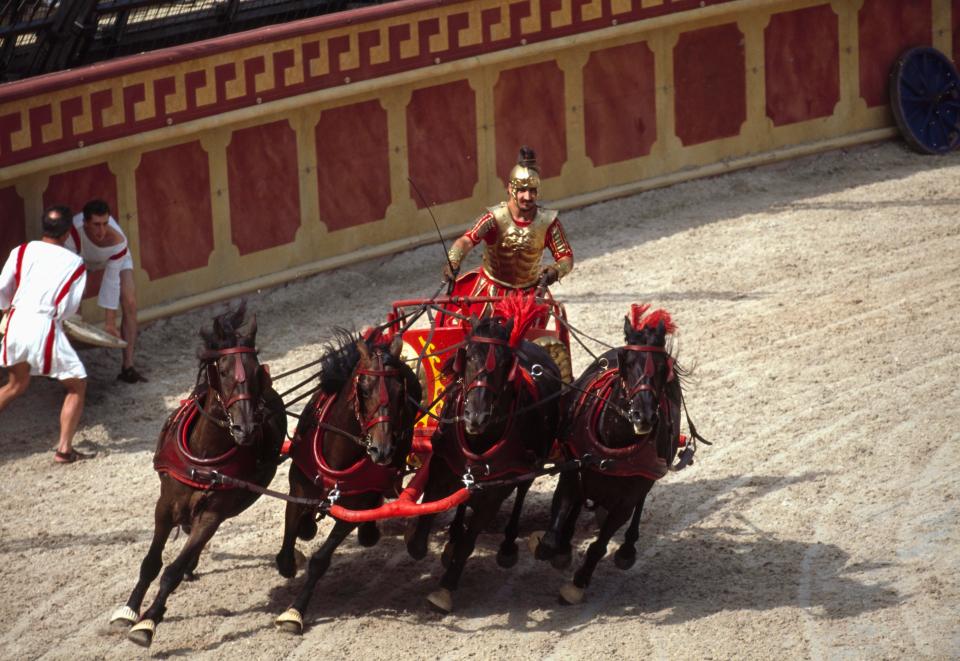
(190, 574)
(291, 620)
(507, 555)
(126, 616)
(201, 531)
(455, 533)
(564, 510)
(298, 521)
(368, 534)
(483, 514)
(626, 555)
(418, 530)
(292, 525)
(572, 593)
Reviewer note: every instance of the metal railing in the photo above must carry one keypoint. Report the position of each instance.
(40, 36)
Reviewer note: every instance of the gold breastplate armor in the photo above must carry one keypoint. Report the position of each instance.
(514, 260)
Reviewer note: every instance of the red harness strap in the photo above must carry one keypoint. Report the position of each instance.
(173, 455)
(364, 476)
(581, 436)
(507, 456)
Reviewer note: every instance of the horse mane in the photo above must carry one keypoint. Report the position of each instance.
(525, 312)
(342, 356)
(639, 322)
(642, 324)
(226, 332)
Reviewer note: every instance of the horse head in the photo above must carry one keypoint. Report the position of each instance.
(379, 396)
(645, 368)
(234, 375)
(486, 365)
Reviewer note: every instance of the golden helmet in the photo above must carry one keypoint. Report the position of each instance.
(526, 173)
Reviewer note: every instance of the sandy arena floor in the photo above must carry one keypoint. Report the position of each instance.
(817, 300)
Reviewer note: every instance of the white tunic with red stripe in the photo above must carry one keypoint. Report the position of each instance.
(110, 259)
(41, 284)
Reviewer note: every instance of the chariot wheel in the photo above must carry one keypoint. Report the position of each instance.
(925, 98)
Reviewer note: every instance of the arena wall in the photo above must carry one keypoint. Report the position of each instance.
(249, 160)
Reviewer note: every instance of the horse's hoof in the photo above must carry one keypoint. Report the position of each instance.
(533, 541)
(561, 560)
(507, 558)
(190, 576)
(624, 559)
(368, 534)
(571, 595)
(447, 555)
(441, 600)
(123, 618)
(142, 633)
(290, 621)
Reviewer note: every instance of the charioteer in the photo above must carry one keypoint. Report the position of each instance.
(515, 234)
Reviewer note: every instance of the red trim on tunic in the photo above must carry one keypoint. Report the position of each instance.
(66, 288)
(48, 348)
(119, 254)
(479, 231)
(51, 334)
(76, 237)
(16, 273)
(556, 227)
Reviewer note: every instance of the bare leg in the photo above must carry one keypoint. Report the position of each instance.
(128, 323)
(16, 385)
(70, 412)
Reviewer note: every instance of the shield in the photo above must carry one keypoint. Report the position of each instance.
(80, 331)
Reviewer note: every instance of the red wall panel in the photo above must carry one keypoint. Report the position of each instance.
(802, 64)
(77, 187)
(263, 179)
(529, 110)
(353, 165)
(887, 28)
(619, 103)
(710, 90)
(442, 142)
(174, 211)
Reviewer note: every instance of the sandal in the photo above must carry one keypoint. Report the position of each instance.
(131, 375)
(70, 457)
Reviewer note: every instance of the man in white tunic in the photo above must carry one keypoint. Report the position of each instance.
(40, 285)
(97, 237)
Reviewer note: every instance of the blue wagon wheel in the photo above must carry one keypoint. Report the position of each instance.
(925, 96)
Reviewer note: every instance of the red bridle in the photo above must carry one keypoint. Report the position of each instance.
(648, 368)
(383, 403)
(489, 365)
(239, 374)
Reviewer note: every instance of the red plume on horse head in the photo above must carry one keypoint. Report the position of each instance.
(638, 322)
(525, 312)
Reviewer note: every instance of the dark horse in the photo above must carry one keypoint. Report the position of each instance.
(353, 439)
(233, 424)
(623, 411)
(501, 418)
